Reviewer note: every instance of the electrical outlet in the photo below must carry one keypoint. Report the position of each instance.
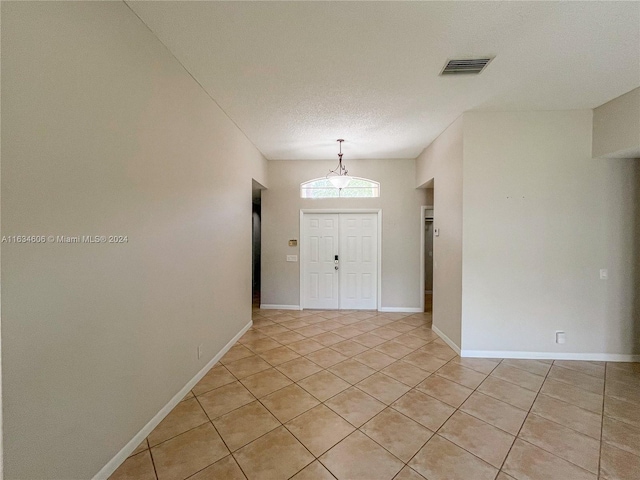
(199, 351)
(561, 337)
(604, 274)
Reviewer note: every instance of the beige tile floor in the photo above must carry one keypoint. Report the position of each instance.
(360, 395)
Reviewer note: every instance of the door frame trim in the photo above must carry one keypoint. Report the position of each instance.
(423, 210)
(343, 210)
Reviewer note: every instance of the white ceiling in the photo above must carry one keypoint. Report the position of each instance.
(295, 76)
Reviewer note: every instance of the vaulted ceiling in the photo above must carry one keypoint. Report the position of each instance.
(295, 76)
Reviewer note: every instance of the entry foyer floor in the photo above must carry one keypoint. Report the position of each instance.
(317, 395)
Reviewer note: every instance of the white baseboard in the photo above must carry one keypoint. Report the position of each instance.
(593, 357)
(400, 309)
(266, 306)
(446, 339)
(128, 449)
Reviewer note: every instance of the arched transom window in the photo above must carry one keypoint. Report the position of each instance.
(357, 188)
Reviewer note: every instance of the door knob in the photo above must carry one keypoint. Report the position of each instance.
(336, 267)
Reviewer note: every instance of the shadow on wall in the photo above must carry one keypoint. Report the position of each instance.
(621, 221)
(635, 260)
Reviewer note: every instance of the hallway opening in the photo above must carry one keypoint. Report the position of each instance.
(256, 244)
(426, 255)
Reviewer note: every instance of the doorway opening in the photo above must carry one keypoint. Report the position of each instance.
(428, 261)
(256, 228)
(340, 259)
(426, 257)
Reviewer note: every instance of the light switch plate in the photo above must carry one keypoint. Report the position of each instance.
(292, 258)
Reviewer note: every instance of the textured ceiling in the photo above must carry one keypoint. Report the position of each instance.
(295, 76)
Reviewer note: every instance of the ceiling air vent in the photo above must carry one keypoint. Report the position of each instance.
(465, 66)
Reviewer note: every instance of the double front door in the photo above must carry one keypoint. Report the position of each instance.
(340, 261)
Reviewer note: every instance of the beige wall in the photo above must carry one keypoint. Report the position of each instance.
(541, 218)
(399, 200)
(442, 162)
(103, 132)
(616, 127)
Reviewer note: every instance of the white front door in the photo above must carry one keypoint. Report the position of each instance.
(340, 261)
(358, 261)
(320, 246)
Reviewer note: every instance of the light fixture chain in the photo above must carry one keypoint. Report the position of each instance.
(339, 177)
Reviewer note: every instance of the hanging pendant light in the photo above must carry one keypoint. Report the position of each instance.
(339, 177)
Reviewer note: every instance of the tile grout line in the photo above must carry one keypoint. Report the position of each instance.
(579, 371)
(512, 383)
(589, 472)
(434, 432)
(517, 436)
(296, 383)
(189, 430)
(524, 369)
(153, 463)
(342, 417)
(544, 449)
(562, 425)
(291, 433)
(406, 416)
(281, 424)
(411, 388)
(625, 423)
(317, 458)
(177, 435)
(604, 395)
(476, 390)
(395, 360)
(223, 441)
(469, 396)
(454, 412)
(321, 403)
(210, 420)
(550, 378)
